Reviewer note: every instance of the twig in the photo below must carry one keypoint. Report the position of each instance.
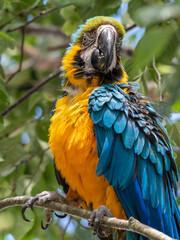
(6, 23)
(30, 92)
(159, 79)
(129, 27)
(64, 231)
(20, 127)
(21, 58)
(127, 51)
(24, 13)
(131, 225)
(32, 156)
(81, 225)
(43, 13)
(43, 30)
(59, 46)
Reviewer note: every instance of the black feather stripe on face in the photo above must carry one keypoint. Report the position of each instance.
(104, 78)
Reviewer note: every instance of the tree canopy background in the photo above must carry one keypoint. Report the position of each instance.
(33, 38)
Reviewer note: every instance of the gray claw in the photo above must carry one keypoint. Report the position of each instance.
(96, 219)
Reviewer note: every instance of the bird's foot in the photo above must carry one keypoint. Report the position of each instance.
(95, 221)
(40, 199)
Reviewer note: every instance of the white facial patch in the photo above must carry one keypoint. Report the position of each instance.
(86, 54)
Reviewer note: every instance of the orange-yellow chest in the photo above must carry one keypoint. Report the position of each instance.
(73, 144)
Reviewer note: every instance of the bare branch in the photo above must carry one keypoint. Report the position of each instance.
(60, 46)
(21, 58)
(31, 157)
(129, 27)
(30, 92)
(64, 231)
(131, 225)
(127, 51)
(43, 30)
(6, 23)
(20, 127)
(23, 13)
(42, 13)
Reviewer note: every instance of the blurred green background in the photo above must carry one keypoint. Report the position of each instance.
(33, 38)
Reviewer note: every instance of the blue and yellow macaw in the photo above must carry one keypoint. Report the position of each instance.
(109, 145)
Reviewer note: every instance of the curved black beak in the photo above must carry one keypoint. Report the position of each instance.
(103, 55)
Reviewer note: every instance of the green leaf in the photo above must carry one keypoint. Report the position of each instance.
(175, 133)
(1, 125)
(151, 14)
(2, 72)
(42, 127)
(13, 153)
(19, 228)
(47, 181)
(6, 221)
(6, 36)
(67, 12)
(4, 97)
(3, 92)
(5, 189)
(176, 105)
(144, 83)
(69, 28)
(152, 45)
(34, 100)
(85, 234)
(6, 42)
(133, 7)
(1, 158)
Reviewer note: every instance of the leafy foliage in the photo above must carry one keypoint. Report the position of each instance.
(25, 161)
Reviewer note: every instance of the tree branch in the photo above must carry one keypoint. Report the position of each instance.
(56, 47)
(131, 225)
(42, 13)
(129, 27)
(23, 13)
(30, 92)
(127, 51)
(21, 58)
(43, 30)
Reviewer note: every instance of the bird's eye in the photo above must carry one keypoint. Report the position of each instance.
(88, 39)
(84, 39)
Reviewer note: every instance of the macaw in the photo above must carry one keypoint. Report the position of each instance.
(110, 148)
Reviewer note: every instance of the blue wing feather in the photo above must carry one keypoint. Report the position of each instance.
(120, 123)
(146, 149)
(136, 157)
(139, 144)
(109, 117)
(128, 135)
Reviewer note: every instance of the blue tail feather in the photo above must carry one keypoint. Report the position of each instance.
(134, 205)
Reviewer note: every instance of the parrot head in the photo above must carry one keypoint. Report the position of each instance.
(93, 58)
